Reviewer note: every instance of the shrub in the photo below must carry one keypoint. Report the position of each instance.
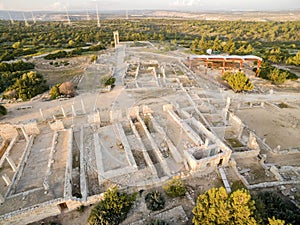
(54, 91)
(94, 58)
(175, 188)
(112, 209)
(238, 81)
(155, 201)
(107, 80)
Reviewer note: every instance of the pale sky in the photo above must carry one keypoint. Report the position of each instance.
(196, 5)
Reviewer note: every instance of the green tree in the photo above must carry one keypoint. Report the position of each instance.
(238, 81)
(112, 209)
(217, 207)
(203, 45)
(175, 188)
(277, 77)
(229, 47)
(217, 44)
(295, 60)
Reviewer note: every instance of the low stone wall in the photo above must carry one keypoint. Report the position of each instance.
(46, 209)
(246, 154)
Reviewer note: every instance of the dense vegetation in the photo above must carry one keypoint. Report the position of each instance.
(277, 76)
(216, 206)
(27, 86)
(275, 41)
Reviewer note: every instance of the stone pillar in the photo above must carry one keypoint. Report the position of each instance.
(46, 186)
(6, 179)
(116, 38)
(82, 105)
(73, 110)
(1, 199)
(11, 163)
(225, 110)
(63, 111)
(25, 135)
(252, 143)
(206, 143)
(42, 115)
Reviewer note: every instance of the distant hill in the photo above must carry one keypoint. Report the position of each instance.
(207, 15)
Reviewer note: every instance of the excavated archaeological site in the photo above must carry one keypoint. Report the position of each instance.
(162, 119)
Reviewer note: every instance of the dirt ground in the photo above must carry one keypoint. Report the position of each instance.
(279, 126)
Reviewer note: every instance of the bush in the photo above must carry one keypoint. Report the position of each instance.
(107, 80)
(175, 188)
(112, 209)
(155, 201)
(54, 91)
(3, 110)
(238, 81)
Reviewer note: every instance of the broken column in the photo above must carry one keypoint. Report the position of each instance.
(82, 105)
(73, 110)
(63, 111)
(11, 163)
(252, 143)
(1, 199)
(25, 134)
(6, 179)
(42, 115)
